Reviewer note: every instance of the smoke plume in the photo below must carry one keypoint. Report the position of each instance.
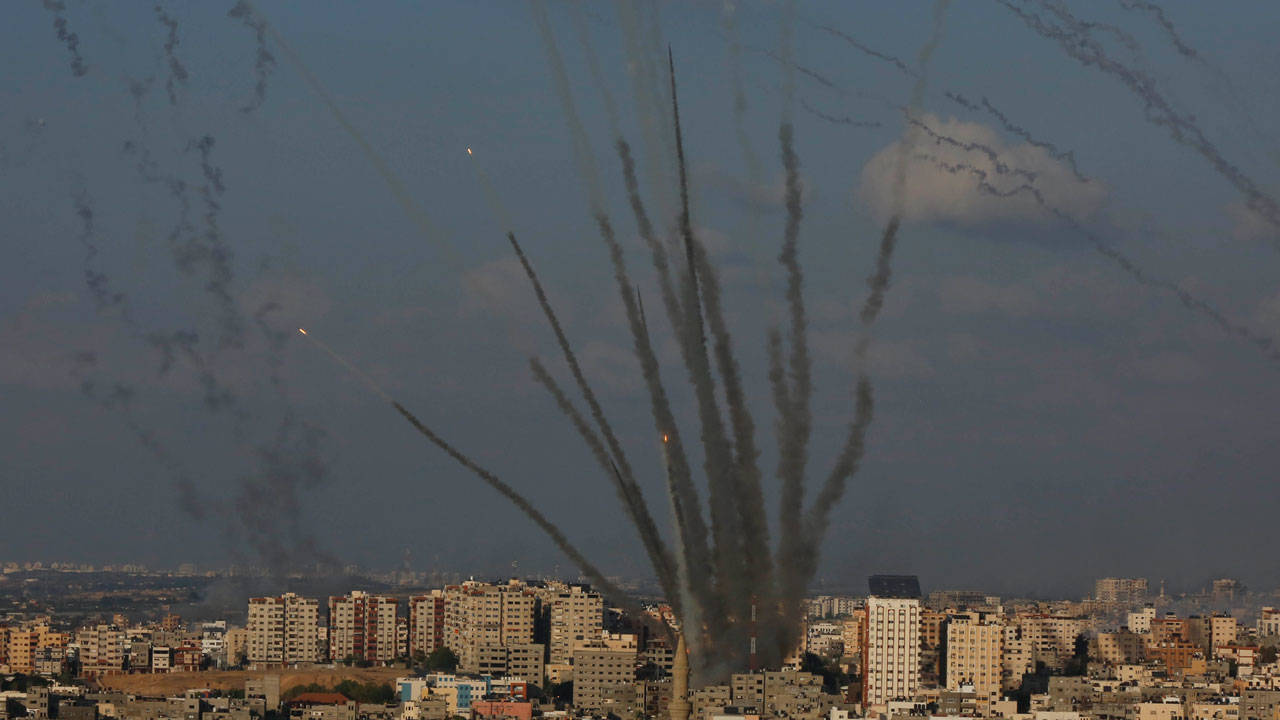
(264, 62)
(66, 37)
(1077, 43)
(177, 71)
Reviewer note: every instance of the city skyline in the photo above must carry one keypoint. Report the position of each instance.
(1042, 416)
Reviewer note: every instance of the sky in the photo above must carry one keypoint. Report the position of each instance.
(1074, 372)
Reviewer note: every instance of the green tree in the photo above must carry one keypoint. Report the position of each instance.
(1266, 654)
(442, 659)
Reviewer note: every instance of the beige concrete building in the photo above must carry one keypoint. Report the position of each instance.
(891, 650)
(481, 620)
(282, 630)
(576, 620)
(974, 649)
(363, 626)
(101, 649)
(1121, 647)
(1122, 591)
(1017, 656)
(602, 677)
(426, 622)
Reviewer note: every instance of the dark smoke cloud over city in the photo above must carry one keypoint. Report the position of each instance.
(997, 307)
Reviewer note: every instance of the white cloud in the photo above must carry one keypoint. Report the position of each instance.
(944, 181)
(1249, 226)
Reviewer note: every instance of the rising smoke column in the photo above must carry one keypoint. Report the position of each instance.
(718, 458)
(68, 38)
(177, 71)
(1078, 44)
(792, 395)
(264, 62)
(628, 491)
(691, 532)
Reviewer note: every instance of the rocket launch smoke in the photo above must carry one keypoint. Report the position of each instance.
(177, 71)
(72, 41)
(1074, 39)
(264, 61)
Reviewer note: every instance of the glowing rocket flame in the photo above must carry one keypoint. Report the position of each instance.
(664, 437)
(304, 332)
(468, 151)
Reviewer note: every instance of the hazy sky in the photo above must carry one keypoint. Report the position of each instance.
(1042, 418)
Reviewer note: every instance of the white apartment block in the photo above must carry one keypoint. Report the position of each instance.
(891, 651)
(282, 630)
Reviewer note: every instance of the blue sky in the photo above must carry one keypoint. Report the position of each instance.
(1042, 418)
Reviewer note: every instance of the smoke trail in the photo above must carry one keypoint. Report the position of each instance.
(869, 52)
(264, 61)
(68, 38)
(177, 72)
(645, 228)
(95, 280)
(1078, 45)
(557, 536)
(749, 156)
(628, 490)
(795, 416)
(650, 107)
(838, 119)
(593, 65)
(970, 146)
(878, 283)
(210, 250)
(1158, 12)
(1119, 33)
(1224, 81)
(1196, 304)
(583, 156)
(717, 461)
(1067, 157)
(692, 541)
(401, 194)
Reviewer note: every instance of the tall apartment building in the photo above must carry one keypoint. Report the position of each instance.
(576, 621)
(1017, 656)
(974, 644)
(282, 630)
(363, 626)
(891, 650)
(482, 618)
(602, 679)
(426, 622)
(1122, 591)
(101, 649)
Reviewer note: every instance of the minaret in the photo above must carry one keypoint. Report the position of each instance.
(679, 706)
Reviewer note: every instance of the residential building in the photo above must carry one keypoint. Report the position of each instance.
(481, 619)
(282, 630)
(576, 621)
(891, 650)
(974, 643)
(363, 626)
(426, 622)
(601, 677)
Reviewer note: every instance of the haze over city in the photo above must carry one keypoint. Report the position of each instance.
(1073, 368)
